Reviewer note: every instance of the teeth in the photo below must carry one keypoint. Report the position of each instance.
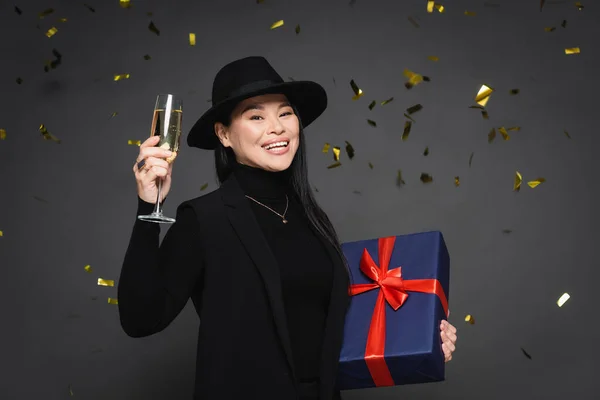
(277, 144)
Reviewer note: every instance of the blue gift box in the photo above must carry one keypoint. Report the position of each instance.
(412, 352)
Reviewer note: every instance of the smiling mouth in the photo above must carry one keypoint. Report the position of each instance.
(277, 145)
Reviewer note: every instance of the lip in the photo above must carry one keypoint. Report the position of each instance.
(280, 139)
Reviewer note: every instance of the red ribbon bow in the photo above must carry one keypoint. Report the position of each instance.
(393, 290)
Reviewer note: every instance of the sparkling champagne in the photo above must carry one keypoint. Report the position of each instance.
(167, 125)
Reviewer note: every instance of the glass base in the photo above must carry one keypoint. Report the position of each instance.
(156, 217)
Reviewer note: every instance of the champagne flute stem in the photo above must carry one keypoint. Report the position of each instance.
(158, 195)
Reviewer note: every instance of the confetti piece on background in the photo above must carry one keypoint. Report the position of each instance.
(192, 39)
(492, 135)
(336, 153)
(483, 95)
(46, 12)
(125, 3)
(51, 32)
(439, 7)
(433, 58)
(426, 151)
(114, 115)
(470, 13)
(297, 29)
(579, 5)
(507, 231)
(88, 268)
(504, 133)
(426, 178)
(2, 134)
(412, 21)
(92, 9)
(113, 301)
(567, 134)
(469, 318)
(564, 23)
(47, 135)
(203, 187)
(383, 103)
(399, 180)
(147, 57)
(572, 50)
(413, 78)
(349, 150)
(526, 354)
(563, 299)
(63, 20)
(357, 91)
(430, 5)
(334, 165)
(409, 117)
(534, 183)
(53, 63)
(372, 123)
(514, 91)
(105, 282)
(19, 81)
(326, 147)
(1, 233)
(542, 2)
(119, 77)
(70, 391)
(550, 29)
(277, 24)
(407, 126)
(18, 10)
(134, 142)
(471, 158)
(456, 181)
(518, 180)
(372, 105)
(153, 28)
(370, 165)
(413, 109)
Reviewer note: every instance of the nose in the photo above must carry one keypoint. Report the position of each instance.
(276, 127)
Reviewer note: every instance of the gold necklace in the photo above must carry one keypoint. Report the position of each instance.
(282, 216)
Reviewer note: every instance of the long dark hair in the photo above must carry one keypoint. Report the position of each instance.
(225, 163)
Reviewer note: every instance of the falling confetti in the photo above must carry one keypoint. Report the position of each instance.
(579, 5)
(357, 92)
(19, 81)
(336, 153)
(514, 91)
(504, 133)
(51, 32)
(277, 24)
(572, 50)
(412, 21)
(399, 180)
(203, 187)
(46, 12)
(413, 78)
(334, 165)
(153, 28)
(439, 7)
(492, 135)
(88, 268)
(526, 354)
(71, 391)
(125, 3)
(297, 29)
(92, 9)
(407, 126)
(18, 10)
(105, 282)
(483, 95)
(563, 299)
(485, 114)
(567, 134)
(471, 159)
(192, 39)
(147, 57)
(113, 115)
(430, 5)
(113, 301)
(134, 142)
(372, 105)
(414, 109)
(1, 233)
(433, 58)
(47, 135)
(370, 165)
(63, 20)
(349, 150)
(518, 180)
(426, 151)
(426, 178)
(409, 117)
(456, 181)
(119, 77)
(534, 183)
(372, 123)
(469, 318)
(506, 231)
(470, 13)
(383, 103)
(550, 29)
(54, 63)
(326, 147)
(2, 134)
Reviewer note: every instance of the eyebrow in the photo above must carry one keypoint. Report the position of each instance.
(259, 106)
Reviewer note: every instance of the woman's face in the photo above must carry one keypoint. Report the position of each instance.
(264, 132)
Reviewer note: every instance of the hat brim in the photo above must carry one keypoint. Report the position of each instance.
(309, 98)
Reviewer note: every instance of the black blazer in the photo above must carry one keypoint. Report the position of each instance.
(217, 255)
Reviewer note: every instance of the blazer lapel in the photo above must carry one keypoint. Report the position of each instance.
(248, 230)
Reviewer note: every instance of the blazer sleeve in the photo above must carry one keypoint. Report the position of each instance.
(157, 280)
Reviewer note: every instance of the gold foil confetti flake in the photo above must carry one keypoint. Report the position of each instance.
(153, 28)
(357, 91)
(469, 318)
(514, 91)
(534, 183)
(492, 135)
(471, 159)
(413, 78)
(113, 115)
(485, 114)
(564, 23)
(507, 231)
(113, 301)
(430, 5)
(514, 128)
(71, 390)
(483, 95)
(192, 39)
(567, 134)
(277, 24)
(477, 107)
(92, 9)
(334, 165)
(409, 117)
(372, 123)
(412, 21)
(105, 282)
(426, 178)
(504, 133)
(433, 58)
(399, 180)
(470, 13)
(51, 32)
(349, 150)
(134, 142)
(46, 12)
(147, 57)
(572, 50)
(326, 147)
(63, 20)
(47, 135)
(372, 105)
(383, 103)
(550, 29)
(426, 151)
(88, 268)
(203, 187)
(579, 5)
(518, 180)
(407, 126)
(413, 109)
(2, 134)
(563, 299)
(18, 10)
(440, 8)
(297, 29)
(119, 77)
(336, 153)
(526, 354)
(370, 165)
(125, 3)
(1, 233)
(149, 13)
(456, 181)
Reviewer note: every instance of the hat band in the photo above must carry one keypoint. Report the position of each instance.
(252, 87)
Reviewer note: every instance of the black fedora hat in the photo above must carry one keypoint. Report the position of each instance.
(249, 77)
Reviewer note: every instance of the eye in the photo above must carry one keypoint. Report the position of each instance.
(287, 113)
(255, 117)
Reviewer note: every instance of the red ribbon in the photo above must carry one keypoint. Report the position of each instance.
(393, 290)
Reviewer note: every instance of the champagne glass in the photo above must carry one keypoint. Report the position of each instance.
(166, 123)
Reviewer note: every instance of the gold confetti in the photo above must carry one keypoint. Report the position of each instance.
(372, 105)
(19, 81)
(149, 13)
(518, 180)
(334, 165)
(114, 115)
(370, 165)
(357, 92)
(483, 95)
(514, 128)
(47, 135)
(46, 12)
(336, 153)
(147, 57)
(260, 1)
(1, 233)
(471, 159)
(504, 133)
(349, 150)
(88, 268)
(567, 134)
(414, 109)
(563, 299)
(297, 29)
(412, 21)
(125, 3)
(572, 50)
(550, 29)
(492, 135)
(119, 77)
(439, 7)
(54, 63)
(413, 78)
(514, 91)
(203, 187)
(113, 301)
(277, 24)
(2, 134)
(456, 181)
(409, 117)
(153, 28)
(426, 178)
(477, 107)
(485, 114)
(71, 391)
(426, 151)
(430, 5)
(399, 180)
(526, 354)
(383, 103)
(433, 58)
(470, 13)
(372, 123)
(51, 32)
(134, 142)
(534, 183)
(18, 10)
(92, 9)
(579, 5)
(192, 39)
(406, 132)
(326, 147)
(63, 20)
(469, 318)
(105, 282)
(564, 23)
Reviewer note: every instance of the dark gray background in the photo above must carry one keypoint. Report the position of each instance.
(63, 206)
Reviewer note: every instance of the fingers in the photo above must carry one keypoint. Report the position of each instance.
(153, 152)
(153, 168)
(448, 326)
(151, 141)
(447, 352)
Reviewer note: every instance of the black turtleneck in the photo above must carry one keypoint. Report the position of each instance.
(305, 266)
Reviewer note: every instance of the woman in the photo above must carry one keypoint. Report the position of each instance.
(258, 257)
